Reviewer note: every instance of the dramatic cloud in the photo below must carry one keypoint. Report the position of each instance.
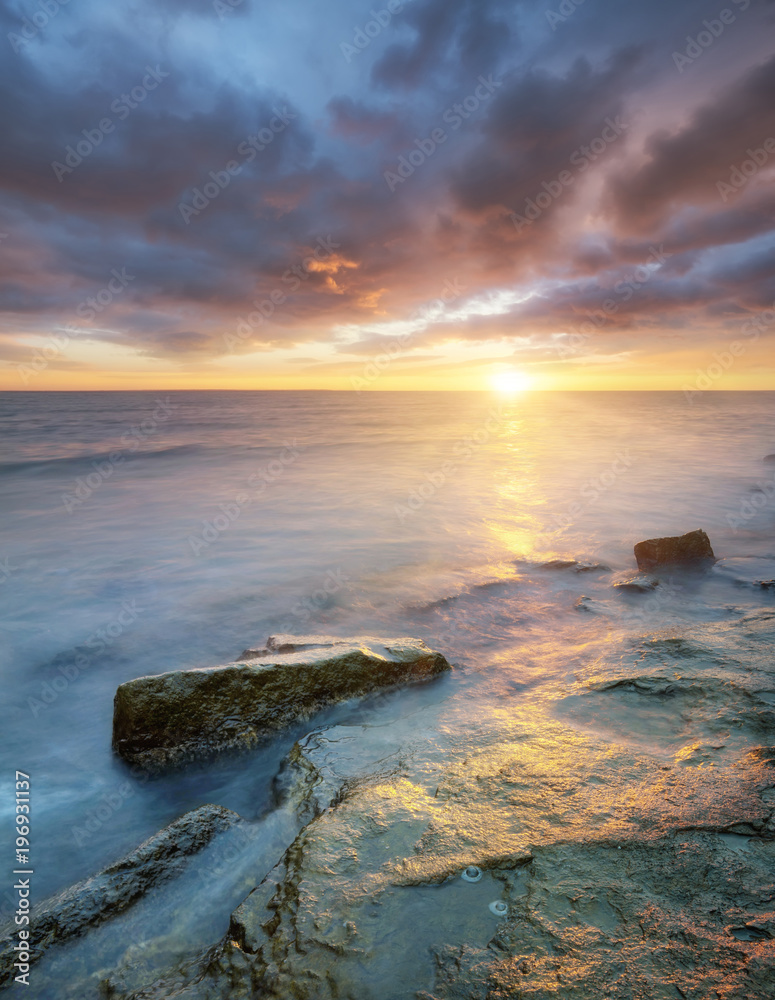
(289, 190)
(707, 159)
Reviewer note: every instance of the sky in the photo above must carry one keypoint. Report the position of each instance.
(439, 194)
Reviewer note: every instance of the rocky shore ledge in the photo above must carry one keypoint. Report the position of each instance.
(513, 855)
(547, 866)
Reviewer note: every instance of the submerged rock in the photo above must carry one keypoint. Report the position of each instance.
(691, 550)
(636, 585)
(748, 571)
(576, 566)
(113, 890)
(188, 713)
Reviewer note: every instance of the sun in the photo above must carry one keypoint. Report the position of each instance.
(510, 381)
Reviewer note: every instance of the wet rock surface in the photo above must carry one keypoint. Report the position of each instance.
(621, 822)
(636, 585)
(118, 887)
(577, 567)
(174, 717)
(612, 869)
(628, 921)
(690, 551)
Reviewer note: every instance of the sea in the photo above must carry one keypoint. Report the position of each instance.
(150, 531)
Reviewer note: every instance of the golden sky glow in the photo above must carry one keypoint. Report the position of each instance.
(576, 204)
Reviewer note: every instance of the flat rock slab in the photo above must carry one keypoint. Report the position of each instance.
(184, 714)
(692, 550)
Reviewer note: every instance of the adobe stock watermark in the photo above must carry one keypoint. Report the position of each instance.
(292, 279)
(454, 116)
(229, 513)
(93, 137)
(463, 451)
(109, 804)
(363, 37)
(740, 176)
(750, 507)
(6, 570)
(225, 7)
(623, 291)
(268, 474)
(334, 582)
(248, 150)
(87, 310)
(593, 489)
(566, 9)
(724, 360)
(581, 160)
(33, 25)
(99, 640)
(85, 486)
(697, 45)
(376, 366)
(662, 599)
(212, 529)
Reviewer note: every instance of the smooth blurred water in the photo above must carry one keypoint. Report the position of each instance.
(227, 516)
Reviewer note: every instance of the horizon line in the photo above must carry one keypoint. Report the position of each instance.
(356, 392)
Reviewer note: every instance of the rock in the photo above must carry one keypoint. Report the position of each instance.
(636, 585)
(577, 567)
(584, 847)
(764, 754)
(116, 888)
(690, 550)
(189, 713)
(689, 943)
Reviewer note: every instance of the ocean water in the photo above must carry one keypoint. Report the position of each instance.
(145, 532)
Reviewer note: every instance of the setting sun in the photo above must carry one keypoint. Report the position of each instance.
(510, 381)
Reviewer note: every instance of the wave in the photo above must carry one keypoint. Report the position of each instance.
(502, 586)
(505, 585)
(77, 463)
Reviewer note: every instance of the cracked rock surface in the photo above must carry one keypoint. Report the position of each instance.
(615, 872)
